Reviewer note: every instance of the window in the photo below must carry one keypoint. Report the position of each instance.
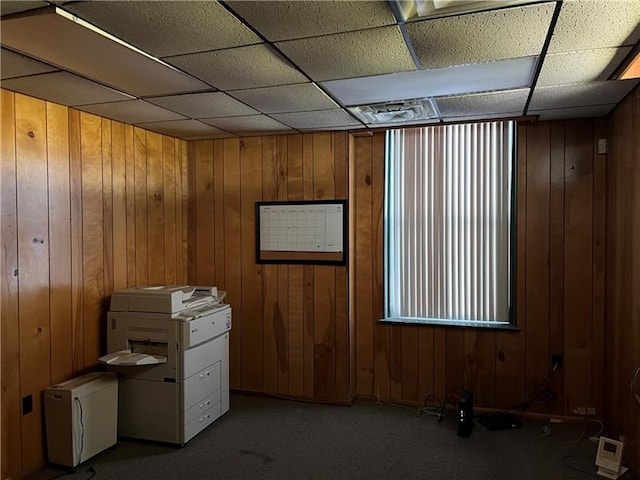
(448, 224)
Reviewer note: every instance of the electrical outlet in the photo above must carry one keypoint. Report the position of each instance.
(556, 361)
(27, 405)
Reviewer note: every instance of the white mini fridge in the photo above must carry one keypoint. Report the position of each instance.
(81, 417)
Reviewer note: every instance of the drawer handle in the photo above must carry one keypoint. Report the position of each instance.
(201, 375)
(207, 373)
(208, 402)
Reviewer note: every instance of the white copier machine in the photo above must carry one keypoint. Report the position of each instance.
(170, 348)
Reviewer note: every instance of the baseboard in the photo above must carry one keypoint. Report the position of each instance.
(295, 398)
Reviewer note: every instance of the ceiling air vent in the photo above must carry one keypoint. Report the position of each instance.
(417, 111)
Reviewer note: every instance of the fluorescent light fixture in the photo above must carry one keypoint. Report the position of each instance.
(68, 42)
(421, 9)
(473, 78)
(71, 17)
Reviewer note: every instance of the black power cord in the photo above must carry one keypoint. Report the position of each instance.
(73, 471)
(577, 469)
(433, 406)
(436, 410)
(541, 391)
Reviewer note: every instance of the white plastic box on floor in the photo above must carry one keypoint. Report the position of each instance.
(81, 417)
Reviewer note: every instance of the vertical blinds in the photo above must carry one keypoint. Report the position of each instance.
(447, 222)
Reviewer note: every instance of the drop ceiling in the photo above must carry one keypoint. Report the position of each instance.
(208, 69)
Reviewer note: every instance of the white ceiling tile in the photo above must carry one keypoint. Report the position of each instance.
(354, 54)
(574, 112)
(288, 20)
(15, 65)
(186, 27)
(248, 125)
(210, 136)
(132, 111)
(64, 88)
(589, 24)
(317, 119)
(262, 133)
(334, 127)
(483, 103)
(239, 68)
(286, 98)
(481, 37)
(500, 75)
(580, 67)
(184, 128)
(482, 116)
(7, 7)
(406, 124)
(61, 41)
(204, 105)
(583, 94)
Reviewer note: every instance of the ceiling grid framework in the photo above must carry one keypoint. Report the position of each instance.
(213, 69)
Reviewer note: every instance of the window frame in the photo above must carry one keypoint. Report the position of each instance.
(511, 325)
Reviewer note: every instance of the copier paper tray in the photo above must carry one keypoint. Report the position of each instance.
(126, 357)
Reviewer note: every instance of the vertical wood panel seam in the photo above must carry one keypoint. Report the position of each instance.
(81, 244)
(146, 200)
(593, 250)
(17, 257)
(177, 150)
(564, 400)
(164, 235)
(524, 247)
(101, 287)
(102, 264)
(240, 231)
(46, 133)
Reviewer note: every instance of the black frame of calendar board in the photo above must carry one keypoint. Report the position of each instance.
(303, 257)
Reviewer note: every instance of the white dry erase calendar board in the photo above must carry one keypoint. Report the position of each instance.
(301, 232)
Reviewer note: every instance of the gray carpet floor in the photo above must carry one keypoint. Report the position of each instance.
(265, 438)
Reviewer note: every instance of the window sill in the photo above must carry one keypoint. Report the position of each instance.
(449, 323)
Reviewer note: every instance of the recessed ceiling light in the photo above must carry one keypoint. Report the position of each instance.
(421, 9)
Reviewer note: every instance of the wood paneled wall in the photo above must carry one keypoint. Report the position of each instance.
(290, 328)
(89, 205)
(560, 229)
(623, 274)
